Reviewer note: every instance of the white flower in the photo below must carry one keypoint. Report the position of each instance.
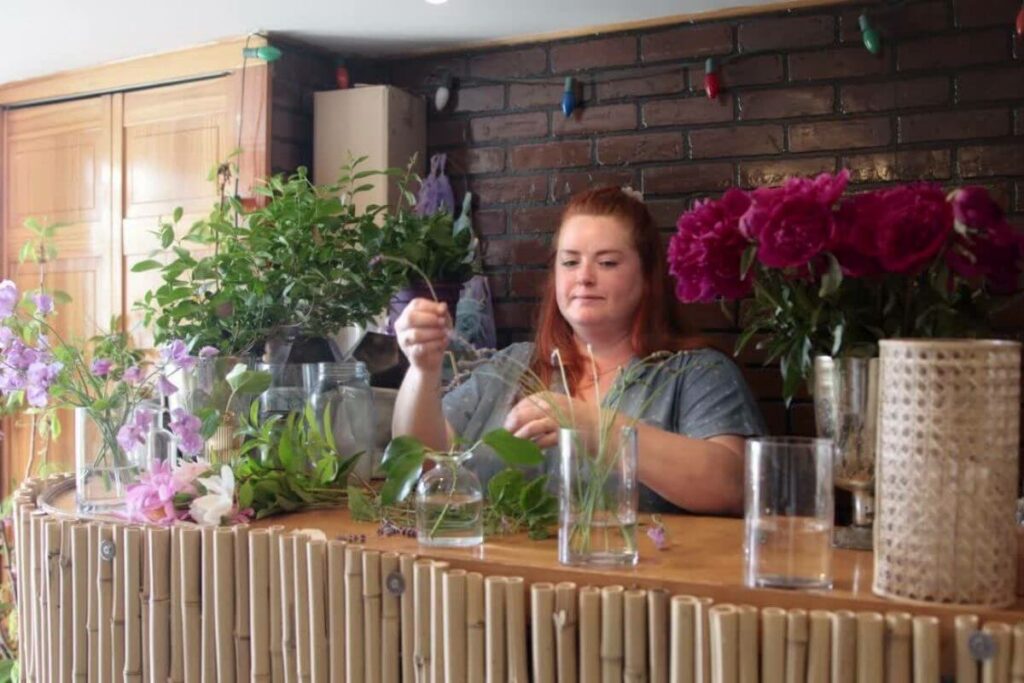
(219, 499)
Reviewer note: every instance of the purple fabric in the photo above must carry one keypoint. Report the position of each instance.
(435, 190)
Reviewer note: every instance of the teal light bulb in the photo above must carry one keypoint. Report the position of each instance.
(268, 53)
(872, 40)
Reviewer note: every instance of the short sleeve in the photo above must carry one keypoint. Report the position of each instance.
(713, 399)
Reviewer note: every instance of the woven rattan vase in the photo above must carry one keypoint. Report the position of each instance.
(946, 475)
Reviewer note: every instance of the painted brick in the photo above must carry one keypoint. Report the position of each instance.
(920, 18)
(776, 171)
(960, 49)
(916, 92)
(630, 149)
(666, 212)
(591, 54)
(511, 126)
(736, 141)
(566, 184)
(528, 284)
(475, 160)
(990, 84)
(840, 62)
(753, 70)
(775, 33)
(688, 111)
(510, 190)
(524, 252)
(550, 155)
(602, 118)
(513, 64)
(515, 315)
(899, 166)
(661, 84)
(446, 132)
(970, 13)
(702, 40)
(483, 98)
(811, 137)
(709, 177)
(415, 73)
(989, 160)
(954, 125)
(489, 223)
(535, 219)
(524, 95)
(787, 102)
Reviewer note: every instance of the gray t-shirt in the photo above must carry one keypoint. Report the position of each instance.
(698, 393)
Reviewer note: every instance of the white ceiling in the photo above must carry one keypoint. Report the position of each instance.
(40, 37)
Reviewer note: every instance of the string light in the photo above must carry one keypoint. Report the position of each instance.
(1020, 21)
(569, 97)
(341, 75)
(872, 41)
(268, 53)
(443, 92)
(712, 84)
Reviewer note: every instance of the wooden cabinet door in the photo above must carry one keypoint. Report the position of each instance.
(57, 168)
(172, 137)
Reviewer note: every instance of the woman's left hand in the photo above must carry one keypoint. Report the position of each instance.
(538, 416)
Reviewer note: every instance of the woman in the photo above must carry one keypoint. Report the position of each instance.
(604, 309)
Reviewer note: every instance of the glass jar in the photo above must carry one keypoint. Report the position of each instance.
(103, 470)
(449, 506)
(344, 390)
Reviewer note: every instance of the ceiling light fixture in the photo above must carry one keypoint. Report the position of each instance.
(436, 2)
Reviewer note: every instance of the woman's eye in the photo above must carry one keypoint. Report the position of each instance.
(609, 264)
(568, 264)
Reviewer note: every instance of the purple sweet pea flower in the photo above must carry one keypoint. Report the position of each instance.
(208, 352)
(186, 427)
(8, 298)
(177, 353)
(133, 432)
(6, 337)
(101, 367)
(133, 375)
(166, 387)
(44, 303)
(657, 533)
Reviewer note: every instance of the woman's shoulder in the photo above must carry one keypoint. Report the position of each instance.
(691, 360)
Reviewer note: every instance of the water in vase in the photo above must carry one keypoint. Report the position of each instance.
(450, 521)
(789, 552)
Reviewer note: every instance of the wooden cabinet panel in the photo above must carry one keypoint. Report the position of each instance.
(57, 168)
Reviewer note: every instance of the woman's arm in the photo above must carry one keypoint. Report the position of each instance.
(418, 410)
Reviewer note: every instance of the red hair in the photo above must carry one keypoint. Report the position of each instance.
(652, 329)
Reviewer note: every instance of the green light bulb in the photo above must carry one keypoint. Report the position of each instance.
(268, 53)
(872, 40)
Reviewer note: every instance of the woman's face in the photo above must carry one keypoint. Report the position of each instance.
(598, 275)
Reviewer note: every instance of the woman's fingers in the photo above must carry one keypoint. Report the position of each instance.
(543, 432)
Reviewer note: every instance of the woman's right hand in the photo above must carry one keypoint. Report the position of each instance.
(422, 333)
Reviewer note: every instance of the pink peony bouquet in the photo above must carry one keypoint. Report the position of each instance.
(831, 274)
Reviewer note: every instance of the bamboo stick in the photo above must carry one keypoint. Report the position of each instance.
(515, 630)
(796, 646)
(421, 643)
(870, 661)
(454, 601)
(207, 591)
(21, 501)
(590, 633)
(354, 637)
(37, 595)
(996, 669)
(494, 630)
(80, 616)
(372, 623)
(243, 640)
(286, 558)
(611, 634)
(43, 650)
(131, 581)
(437, 570)
(897, 647)
(51, 594)
(159, 579)
(773, 645)
(274, 600)
(682, 663)
(844, 647)
(926, 650)
(542, 631)
(405, 567)
(565, 631)
(634, 609)
(177, 674)
(68, 627)
(748, 643)
(391, 621)
(105, 586)
(703, 653)
(475, 640)
(143, 595)
(819, 646)
(26, 605)
(259, 604)
(191, 541)
(965, 625)
(316, 564)
(657, 629)
(336, 610)
(300, 598)
(1017, 663)
(224, 607)
(724, 636)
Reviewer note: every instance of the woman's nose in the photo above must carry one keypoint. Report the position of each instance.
(585, 274)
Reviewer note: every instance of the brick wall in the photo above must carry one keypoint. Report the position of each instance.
(944, 101)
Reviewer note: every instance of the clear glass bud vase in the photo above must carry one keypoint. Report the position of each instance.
(449, 505)
(599, 497)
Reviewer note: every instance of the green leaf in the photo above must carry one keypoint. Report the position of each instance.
(326, 470)
(243, 381)
(505, 486)
(513, 450)
(832, 279)
(532, 494)
(747, 260)
(166, 235)
(148, 264)
(245, 495)
(178, 212)
(401, 447)
(402, 474)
